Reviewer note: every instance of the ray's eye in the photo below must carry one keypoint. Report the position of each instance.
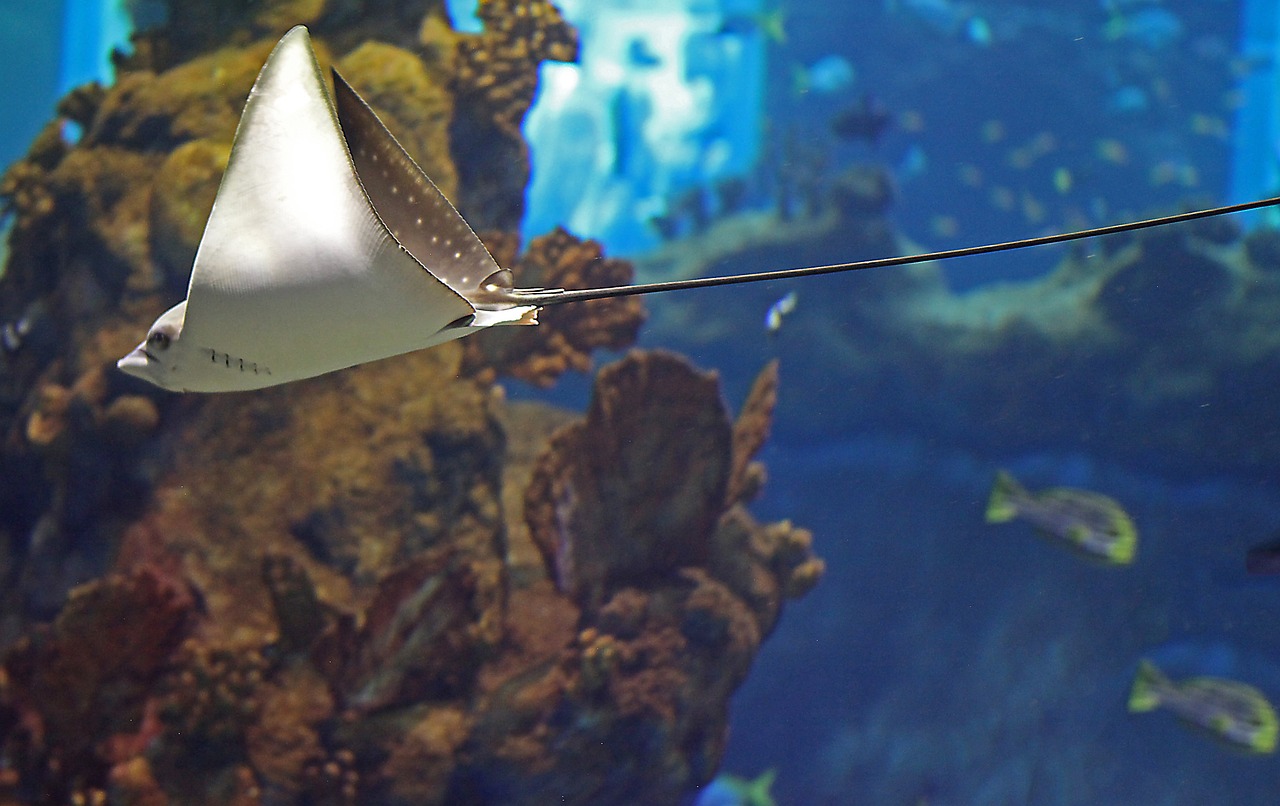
(158, 340)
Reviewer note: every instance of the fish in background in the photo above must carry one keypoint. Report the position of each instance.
(770, 24)
(731, 790)
(867, 120)
(777, 311)
(827, 76)
(1150, 26)
(1088, 522)
(1235, 712)
(1264, 558)
(640, 54)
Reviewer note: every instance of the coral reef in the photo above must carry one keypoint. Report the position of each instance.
(328, 592)
(77, 695)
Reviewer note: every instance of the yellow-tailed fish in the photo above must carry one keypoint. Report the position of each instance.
(1088, 522)
(1234, 712)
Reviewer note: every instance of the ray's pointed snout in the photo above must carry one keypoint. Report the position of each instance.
(135, 363)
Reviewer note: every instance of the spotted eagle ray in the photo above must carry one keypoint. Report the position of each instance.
(329, 247)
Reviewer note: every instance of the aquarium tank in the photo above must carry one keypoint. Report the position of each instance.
(298, 505)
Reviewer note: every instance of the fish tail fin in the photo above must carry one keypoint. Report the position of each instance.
(1125, 546)
(1264, 739)
(1002, 506)
(1147, 684)
(759, 791)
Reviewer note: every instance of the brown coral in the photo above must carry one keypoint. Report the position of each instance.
(566, 335)
(634, 492)
(750, 430)
(208, 698)
(82, 684)
(422, 636)
(499, 68)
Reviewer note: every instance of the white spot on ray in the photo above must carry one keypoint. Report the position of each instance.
(443, 240)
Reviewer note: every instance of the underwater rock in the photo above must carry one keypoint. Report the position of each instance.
(154, 112)
(132, 783)
(422, 635)
(566, 335)
(327, 592)
(750, 431)
(636, 716)
(435, 676)
(285, 740)
(1262, 246)
(300, 615)
(80, 686)
(495, 77)
(331, 779)
(181, 199)
(422, 759)
(208, 698)
(633, 492)
(863, 192)
(1169, 285)
(196, 27)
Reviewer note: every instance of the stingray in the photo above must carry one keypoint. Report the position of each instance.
(328, 247)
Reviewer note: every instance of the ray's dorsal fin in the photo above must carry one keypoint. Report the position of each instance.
(409, 203)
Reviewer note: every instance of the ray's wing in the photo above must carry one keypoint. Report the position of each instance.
(296, 270)
(410, 204)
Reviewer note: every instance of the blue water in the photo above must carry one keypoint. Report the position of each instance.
(941, 660)
(29, 92)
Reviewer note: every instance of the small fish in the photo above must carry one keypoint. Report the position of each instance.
(1236, 712)
(1062, 180)
(1112, 151)
(979, 31)
(827, 76)
(1264, 558)
(865, 120)
(640, 54)
(1152, 28)
(779, 309)
(1089, 522)
(731, 790)
(771, 24)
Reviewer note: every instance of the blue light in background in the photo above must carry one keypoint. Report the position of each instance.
(1256, 163)
(667, 98)
(462, 13)
(91, 30)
